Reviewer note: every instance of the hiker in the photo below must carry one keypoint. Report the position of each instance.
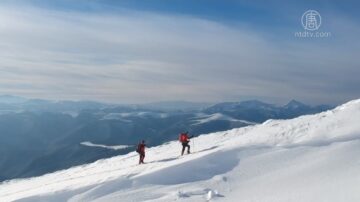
(141, 150)
(185, 139)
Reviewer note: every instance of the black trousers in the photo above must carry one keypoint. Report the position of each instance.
(141, 157)
(184, 145)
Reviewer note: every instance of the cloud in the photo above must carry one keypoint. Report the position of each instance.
(133, 56)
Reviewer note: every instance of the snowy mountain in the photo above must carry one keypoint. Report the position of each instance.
(293, 104)
(205, 118)
(309, 158)
(175, 106)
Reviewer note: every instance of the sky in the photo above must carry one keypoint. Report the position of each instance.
(202, 51)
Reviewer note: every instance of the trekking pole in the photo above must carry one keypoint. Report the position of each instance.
(193, 143)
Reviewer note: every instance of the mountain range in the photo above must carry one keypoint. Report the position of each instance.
(41, 136)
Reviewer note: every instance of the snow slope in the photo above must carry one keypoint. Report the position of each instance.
(205, 118)
(310, 158)
(115, 147)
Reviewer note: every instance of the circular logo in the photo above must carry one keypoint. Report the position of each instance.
(311, 20)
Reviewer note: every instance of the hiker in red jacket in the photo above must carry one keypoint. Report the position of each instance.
(185, 139)
(141, 150)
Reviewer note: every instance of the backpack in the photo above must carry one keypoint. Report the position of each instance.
(183, 137)
(138, 148)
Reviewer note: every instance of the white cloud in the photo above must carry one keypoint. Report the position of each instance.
(141, 57)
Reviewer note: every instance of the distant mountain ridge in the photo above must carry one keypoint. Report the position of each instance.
(11, 99)
(257, 111)
(21, 103)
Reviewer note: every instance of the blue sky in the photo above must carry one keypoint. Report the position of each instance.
(204, 50)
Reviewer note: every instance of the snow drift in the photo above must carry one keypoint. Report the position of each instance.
(310, 158)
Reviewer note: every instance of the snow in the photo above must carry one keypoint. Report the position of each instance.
(115, 147)
(123, 116)
(204, 118)
(310, 158)
(116, 116)
(73, 114)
